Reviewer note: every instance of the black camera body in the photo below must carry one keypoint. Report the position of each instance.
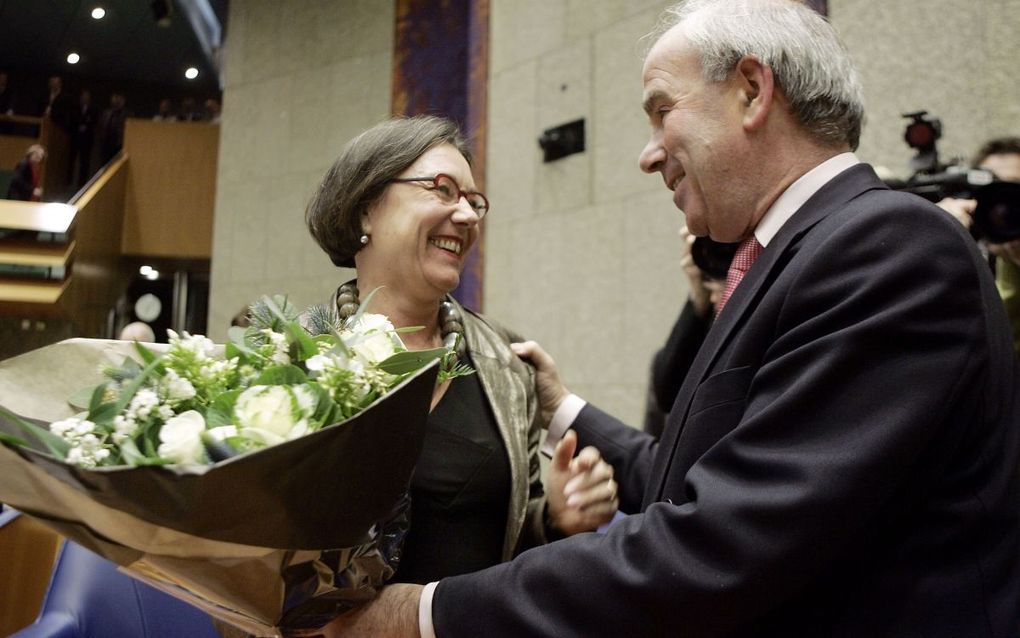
(997, 216)
(713, 257)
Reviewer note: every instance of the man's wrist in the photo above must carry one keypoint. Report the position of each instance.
(561, 421)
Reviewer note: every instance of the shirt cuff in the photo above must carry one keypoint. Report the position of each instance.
(562, 419)
(425, 611)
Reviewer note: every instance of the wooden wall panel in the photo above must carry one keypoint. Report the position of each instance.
(171, 188)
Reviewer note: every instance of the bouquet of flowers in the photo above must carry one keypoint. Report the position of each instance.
(263, 481)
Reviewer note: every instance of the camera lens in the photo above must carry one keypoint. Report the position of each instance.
(997, 216)
(713, 257)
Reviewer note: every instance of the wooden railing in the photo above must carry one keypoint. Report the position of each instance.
(64, 259)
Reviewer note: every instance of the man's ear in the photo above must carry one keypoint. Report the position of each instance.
(757, 86)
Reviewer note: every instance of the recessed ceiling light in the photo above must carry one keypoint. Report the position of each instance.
(72, 58)
(145, 270)
(191, 73)
(98, 13)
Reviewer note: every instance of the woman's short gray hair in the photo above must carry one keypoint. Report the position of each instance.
(808, 60)
(363, 171)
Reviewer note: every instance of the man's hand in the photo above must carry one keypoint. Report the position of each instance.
(580, 492)
(1009, 250)
(961, 209)
(551, 390)
(392, 614)
(704, 291)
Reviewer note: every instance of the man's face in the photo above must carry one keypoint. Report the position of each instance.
(697, 141)
(1006, 166)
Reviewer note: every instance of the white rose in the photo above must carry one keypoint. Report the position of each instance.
(274, 413)
(376, 340)
(181, 438)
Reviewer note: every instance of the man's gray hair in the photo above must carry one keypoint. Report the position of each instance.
(808, 60)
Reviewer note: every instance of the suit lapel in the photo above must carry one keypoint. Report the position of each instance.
(831, 197)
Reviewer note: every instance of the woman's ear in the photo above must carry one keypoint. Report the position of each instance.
(757, 86)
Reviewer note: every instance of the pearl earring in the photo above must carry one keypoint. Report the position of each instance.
(364, 239)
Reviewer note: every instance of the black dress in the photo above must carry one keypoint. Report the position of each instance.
(460, 491)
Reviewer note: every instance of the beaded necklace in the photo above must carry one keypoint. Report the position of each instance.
(451, 324)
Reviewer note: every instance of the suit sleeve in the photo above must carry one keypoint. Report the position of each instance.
(843, 402)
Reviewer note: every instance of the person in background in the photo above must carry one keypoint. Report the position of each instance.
(212, 111)
(671, 362)
(841, 459)
(83, 127)
(59, 105)
(400, 205)
(26, 183)
(165, 112)
(1002, 158)
(111, 128)
(137, 331)
(189, 111)
(6, 95)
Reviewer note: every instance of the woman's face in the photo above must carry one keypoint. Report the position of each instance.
(418, 242)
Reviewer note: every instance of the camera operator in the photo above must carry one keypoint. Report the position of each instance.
(1002, 158)
(671, 362)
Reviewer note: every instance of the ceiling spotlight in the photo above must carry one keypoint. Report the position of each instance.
(145, 270)
(73, 58)
(98, 13)
(191, 73)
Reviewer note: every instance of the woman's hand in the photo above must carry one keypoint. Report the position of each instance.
(580, 492)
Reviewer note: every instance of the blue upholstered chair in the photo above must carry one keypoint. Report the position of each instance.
(89, 598)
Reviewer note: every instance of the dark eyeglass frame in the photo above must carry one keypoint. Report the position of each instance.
(460, 192)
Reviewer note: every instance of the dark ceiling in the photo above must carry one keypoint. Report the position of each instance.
(36, 36)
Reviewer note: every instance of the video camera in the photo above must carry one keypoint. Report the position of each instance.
(997, 216)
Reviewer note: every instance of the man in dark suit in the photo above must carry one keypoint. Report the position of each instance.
(83, 134)
(842, 457)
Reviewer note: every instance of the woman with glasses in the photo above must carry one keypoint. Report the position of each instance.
(401, 206)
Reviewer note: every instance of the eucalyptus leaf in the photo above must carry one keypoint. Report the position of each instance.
(409, 329)
(128, 392)
(129, 451)
(409, 361)
(221, 411)
(236, 334)
(12, 440)
(104, 414)
(82, 399)
(282, 375)
(148, 356)
(356, 317)
(305, 343)
(324, 405)
(96, 400)
(57, 446)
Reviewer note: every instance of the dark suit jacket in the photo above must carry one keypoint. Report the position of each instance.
(841, 460)
(21, 182)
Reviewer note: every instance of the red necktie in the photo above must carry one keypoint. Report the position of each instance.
(747, 252)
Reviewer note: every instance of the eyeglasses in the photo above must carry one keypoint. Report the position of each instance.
(450, 193)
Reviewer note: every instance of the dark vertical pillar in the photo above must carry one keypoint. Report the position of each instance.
(441, 66)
